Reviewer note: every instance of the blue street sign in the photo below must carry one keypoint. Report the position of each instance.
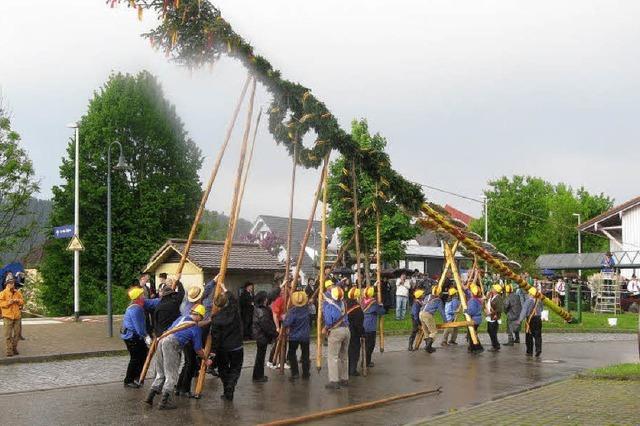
(65, 231)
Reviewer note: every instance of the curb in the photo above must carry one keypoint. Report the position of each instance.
(61, 357)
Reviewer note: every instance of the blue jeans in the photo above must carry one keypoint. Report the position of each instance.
(401, 306)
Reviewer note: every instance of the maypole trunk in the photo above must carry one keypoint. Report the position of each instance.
(323, 257)
(228, 243)
(450, 256)
(356, 230)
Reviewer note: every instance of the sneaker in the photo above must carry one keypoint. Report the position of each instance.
(332, 385)
(270, 365)
(132, 385)
(286, 366)
(344, 383)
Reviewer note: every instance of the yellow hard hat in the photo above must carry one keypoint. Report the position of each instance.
(369, 292)
(135, 292)
(475, 289)
(533, 292)
(508, 288)
(299, 298)
(452, 291)
(198, 309)
(328, 284)
(337, 293)
(354, 293)
(418, 293)
(436, 290)
(497, 288)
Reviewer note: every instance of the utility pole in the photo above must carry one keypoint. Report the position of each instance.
(76, 226)
(579, 241)
(485, 206)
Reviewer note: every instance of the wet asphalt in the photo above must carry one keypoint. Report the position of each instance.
(465, 380)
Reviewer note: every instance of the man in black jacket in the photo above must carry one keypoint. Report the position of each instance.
(226, 331)
(356, 328)
(246, 309)
(264, 332)
(168, 310)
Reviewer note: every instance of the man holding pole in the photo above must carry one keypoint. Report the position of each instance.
(427, 317)
(336, 325)
(183, 331)
(372, 311)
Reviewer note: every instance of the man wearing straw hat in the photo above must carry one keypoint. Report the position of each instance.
(194, 297)
(297, 321)
(134, 334)
(183, 331)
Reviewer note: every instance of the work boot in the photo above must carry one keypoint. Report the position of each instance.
(429, 348)
(166, 403)
(517, 339)
(510, 342)
(152, 394)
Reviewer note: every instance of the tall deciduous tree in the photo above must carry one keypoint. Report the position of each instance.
(529, 216)
(395, 224)
(154, 200)
(17, 186)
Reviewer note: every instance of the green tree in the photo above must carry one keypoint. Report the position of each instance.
(153, 200)
(17, 186)
(395, 224)
(213, 226)
(529, 216)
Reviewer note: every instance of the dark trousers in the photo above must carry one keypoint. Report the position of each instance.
(293, 361)
(229, 369)
(354, 354)
(492, 330)
(369, 344)
(534, 335)
(258, 366)
(138, 354)
(414, 331)
(473, 347)
(189, 368)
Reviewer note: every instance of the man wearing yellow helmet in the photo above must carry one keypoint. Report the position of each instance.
(493, 308)
(474, 310)
(168, 355)
(356, 329)
(512, 308)
(427, 317)
(531, 315)
(134, 333)
(336, 322)
(418, 302)
(372, 311)
(451, 308)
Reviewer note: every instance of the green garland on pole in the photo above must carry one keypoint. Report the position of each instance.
(193, 33)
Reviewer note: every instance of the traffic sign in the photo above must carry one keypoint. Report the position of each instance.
(64, 231)
(75, 244)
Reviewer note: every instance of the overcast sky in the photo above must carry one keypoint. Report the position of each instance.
(465, 91)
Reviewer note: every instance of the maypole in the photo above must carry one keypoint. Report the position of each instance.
(379, 274)
(356, 226)
(228, 243)
(323, 257)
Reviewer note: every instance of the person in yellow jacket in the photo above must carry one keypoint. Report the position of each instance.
(11, 302)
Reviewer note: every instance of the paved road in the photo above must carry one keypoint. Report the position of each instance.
(466, 381)
(89, 371)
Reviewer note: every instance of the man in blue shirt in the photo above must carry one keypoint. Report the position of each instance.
(451, 309)
(297, 321)
(372, 311)
(474, 310)
(168, 355)
(418, 301)
(427, 317)
(336, 325)
(134, 334)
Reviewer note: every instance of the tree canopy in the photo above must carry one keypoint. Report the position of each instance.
(529, 216)
(395, 224)
(17, 186)
(153, 200)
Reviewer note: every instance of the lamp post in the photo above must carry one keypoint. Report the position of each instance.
(76, 225)
(579, 240)
(120, 166)
(485, 206)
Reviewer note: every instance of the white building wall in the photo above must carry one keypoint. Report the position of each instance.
(630, 234)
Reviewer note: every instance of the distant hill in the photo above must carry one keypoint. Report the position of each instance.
(30, 252)
(213, 226)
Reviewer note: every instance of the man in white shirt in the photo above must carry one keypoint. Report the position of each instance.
(403, 285)
(561, 289)
(633, 286)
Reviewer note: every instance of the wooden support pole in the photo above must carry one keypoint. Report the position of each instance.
(228, 243)
(447, 267)
(356, 226)
(323, 258)
(448, 253)
(349, 409)
(455, 324)
(379, 275)
(212, 178)
(248, 166)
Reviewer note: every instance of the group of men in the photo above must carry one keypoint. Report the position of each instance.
(521, 308)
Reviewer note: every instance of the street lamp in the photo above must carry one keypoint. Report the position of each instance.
(76, 226)
(122, 165)
(579, 240)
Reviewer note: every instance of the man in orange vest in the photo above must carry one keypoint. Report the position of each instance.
(11, 303)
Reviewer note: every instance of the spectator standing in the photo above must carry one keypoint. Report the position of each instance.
(633, 286)
(11, 303)
(402, 296)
